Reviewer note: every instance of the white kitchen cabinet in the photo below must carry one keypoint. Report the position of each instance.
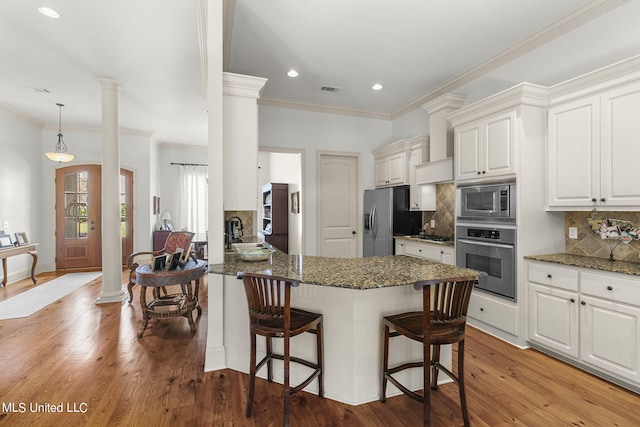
(240, 141)
(394, 162)
(485, 148)
(419, 199)
(593, 318)
(593, 150)
(426, 250)
(399, 247)
(610, 324)
(553, 307)
(494, 314)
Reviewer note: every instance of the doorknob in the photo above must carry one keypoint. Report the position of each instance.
(353, 232)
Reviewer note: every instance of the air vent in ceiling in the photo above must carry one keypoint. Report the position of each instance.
(40, 90)
(330, 88)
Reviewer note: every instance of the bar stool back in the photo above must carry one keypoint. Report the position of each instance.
(445, 325)
(271, 316)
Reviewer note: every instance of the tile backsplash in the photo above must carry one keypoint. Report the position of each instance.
(445, 212)
(590, 244)
(245, 216)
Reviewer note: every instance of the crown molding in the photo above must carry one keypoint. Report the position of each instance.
(522, 94)
(322, 108)
(92, 129)
(22, 115)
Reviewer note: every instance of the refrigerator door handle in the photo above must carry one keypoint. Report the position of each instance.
(374, 228)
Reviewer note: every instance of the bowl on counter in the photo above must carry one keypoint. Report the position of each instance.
(254, 254)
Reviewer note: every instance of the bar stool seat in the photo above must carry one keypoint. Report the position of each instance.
(446, 325)
(271, 316)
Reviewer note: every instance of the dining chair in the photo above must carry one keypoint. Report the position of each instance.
(448, 302)
(271, 316)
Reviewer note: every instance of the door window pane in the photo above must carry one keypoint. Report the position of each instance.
(76, 210)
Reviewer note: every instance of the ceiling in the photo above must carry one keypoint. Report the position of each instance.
(416, 49)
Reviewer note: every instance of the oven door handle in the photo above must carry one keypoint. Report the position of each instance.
(492, 245)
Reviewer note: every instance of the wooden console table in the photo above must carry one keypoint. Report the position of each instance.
(18, 250)
(170, 305)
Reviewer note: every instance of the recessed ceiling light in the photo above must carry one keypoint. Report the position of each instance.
(376, 86)
(292, 73)
(47, 11)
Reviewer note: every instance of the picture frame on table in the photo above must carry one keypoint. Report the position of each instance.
(159, 262)
(184, 256)
(21, 238)
(174, 260)
(5, 241)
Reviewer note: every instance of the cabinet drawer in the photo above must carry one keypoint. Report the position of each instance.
(501, 315)
(552, 275)
(425, 251)
(612, 287)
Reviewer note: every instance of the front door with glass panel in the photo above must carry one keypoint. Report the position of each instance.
(78, 216)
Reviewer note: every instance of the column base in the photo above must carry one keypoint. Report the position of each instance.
(109, 297)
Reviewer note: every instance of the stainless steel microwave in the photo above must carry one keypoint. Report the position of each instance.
(488, 202)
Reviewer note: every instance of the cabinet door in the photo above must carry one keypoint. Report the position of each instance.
(397, 169)
(382, 172)
(447, 256)
(553, 319)
(619, 147)
(610, 333)
(415, 159)
(573, 159)
(422, 250)
(467, 151)
(399, 247)
(498, 156)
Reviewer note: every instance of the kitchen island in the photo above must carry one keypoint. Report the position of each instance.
(353, 295)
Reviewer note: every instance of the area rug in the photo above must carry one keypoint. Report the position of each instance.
(29, 302)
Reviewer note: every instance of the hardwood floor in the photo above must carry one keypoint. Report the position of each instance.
(77, 353)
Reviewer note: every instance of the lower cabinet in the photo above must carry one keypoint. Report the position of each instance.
(593, 319)
(425, 250)
(493, 311)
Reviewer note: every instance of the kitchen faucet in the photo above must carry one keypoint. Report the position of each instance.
(232, 227)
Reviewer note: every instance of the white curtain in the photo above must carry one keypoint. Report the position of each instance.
(193, 201)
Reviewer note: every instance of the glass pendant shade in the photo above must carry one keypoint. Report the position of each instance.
(60, 155)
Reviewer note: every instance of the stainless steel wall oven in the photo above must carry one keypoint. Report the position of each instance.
(490, 249)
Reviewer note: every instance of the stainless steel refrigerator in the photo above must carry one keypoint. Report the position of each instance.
(387, 214)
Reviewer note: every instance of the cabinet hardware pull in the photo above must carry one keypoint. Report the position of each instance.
(478, 172)
(572, 300)
(481, 309)
(609, 288)
(583, 303)
(603, 200)
(549, 276)
(593, 200)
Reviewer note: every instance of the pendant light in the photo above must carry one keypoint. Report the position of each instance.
(60, 155)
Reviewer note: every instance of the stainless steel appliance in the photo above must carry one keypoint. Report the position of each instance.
(488, 202)
(490, 249)
(386, 215)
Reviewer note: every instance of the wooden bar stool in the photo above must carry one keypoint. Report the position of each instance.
(271, 316)
(445, 325)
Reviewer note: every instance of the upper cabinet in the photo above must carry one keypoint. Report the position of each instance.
(391, 170)
(485, 148)
(240, 141)
(593, 151)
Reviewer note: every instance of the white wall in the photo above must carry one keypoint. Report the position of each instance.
(313, 131)
(410, 124)
(20, 184)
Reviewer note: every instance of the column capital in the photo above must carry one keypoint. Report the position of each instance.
(108, 83)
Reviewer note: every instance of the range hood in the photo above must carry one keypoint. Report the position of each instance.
(439, 168)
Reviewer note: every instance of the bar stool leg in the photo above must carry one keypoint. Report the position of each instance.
(269, 360)
(434, 367)
(385, 364)
(252, 375)
(463, 399)
(319, 341)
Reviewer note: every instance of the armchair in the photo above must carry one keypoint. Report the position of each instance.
(175, 240)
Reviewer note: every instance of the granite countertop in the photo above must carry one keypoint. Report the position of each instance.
(450, 243)
(590, 262)
(353, 273)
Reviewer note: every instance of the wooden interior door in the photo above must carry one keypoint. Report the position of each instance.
(79, 216)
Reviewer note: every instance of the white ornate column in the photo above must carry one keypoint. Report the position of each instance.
(112, 290)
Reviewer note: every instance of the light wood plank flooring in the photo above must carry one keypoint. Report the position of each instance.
(78, 353)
